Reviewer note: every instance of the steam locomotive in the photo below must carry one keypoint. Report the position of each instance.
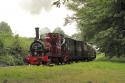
(55, 48)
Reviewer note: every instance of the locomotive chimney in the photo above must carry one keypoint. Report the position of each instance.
(37, 33)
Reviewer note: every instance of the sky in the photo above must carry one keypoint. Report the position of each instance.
(24, 15)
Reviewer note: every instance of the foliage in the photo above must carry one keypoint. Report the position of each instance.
(102, 23)
(16, 48)
(101, 57)
(5, 28)
(59, 2)
(18, 60)
(7, 60)
(76, 36)
(20, 46)
(10, 60)
(12, 47)
(1, 46)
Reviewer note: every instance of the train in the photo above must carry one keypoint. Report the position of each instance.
(57, 49)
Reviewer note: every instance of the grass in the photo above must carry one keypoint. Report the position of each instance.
(82, 72)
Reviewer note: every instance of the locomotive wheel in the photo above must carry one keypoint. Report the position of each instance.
(87, 59)
(61, 60)
(44, 63)
(55, 60)
(66, 59)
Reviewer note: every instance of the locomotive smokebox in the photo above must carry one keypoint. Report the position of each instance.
(37, 33)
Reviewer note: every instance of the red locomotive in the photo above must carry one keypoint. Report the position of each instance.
(55, 48)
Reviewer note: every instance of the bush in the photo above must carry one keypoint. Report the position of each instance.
(7, 60)
(19, 60)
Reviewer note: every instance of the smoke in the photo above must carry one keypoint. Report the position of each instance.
(36, 6)
(44, 30)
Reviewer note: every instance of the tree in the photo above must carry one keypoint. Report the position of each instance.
(5, 28)
(1, 44)
(59, 2)
(101, 22)
(1, 47)
(77, 36)
(5, 37)
(16, 48)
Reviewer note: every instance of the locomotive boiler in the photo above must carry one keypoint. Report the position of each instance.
(55, 48)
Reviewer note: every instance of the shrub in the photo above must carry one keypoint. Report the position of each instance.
(7, 60)
(19, 60)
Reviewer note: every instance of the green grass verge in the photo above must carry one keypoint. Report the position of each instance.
(82, 72)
